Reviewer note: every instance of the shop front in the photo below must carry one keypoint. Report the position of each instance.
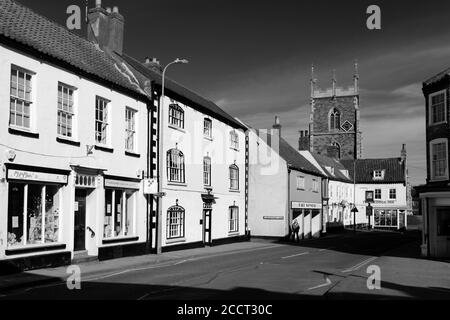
(386, 218)
(309, 218)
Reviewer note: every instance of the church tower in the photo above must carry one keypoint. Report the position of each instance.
(334, 128)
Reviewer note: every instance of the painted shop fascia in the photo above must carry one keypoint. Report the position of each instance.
(68, 190)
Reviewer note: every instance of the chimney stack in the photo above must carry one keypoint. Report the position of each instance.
(304, 142)
(153, 63)
(106, 28)
(277, 126)
(333, 152)
(404, 154)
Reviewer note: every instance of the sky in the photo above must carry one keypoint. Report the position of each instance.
(253, 58)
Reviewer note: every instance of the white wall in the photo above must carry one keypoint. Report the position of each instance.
(268, 193)
(48, 153)
(340, 192)
(195, 147)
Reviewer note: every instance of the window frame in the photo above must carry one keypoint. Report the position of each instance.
(207, 171)
(105, 121)
(174, 121)
(181, 212)
(68, 113)
(23, 100)
(205, 133)
(380, 194)
(430, 108)
(301, 186)
(332, 119)
(393, 194)
(234, 168)
(234, 140)
(446, 175)
(124, 213)
(180, 170)
(132, 130)
(315, 185)
(233, 224)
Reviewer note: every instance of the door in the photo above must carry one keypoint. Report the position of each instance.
(442, 242)
(80, 220)
(207, 226)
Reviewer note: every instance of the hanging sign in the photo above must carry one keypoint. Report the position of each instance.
(150, 186)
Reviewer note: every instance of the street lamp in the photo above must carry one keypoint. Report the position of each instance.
(161, 152)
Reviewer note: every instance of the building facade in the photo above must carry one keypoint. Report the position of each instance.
(73, 146)
(334, 121)
(283, 187)
(435, 195)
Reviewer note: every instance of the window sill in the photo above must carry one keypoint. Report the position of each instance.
(177, 184)
(235, 149)
(233, 234)
(103, 148)
(208, 138)
(177, 128)
(132, 154)
(68, 141)
(14, 251)
(23, 133)
(235, 191)
(175, 241)
(437, 124)
(120, 240)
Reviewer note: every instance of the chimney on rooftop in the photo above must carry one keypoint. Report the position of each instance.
(153, 63)
(106, 28)
(304, 141)
(277, 126)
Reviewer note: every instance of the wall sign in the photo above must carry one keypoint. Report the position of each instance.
(109, 183)
(37, 176)
(150, 186)
(273, 218)
(306, 205)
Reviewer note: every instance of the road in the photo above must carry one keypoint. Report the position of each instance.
(273, 271)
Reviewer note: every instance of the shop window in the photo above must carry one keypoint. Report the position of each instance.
(386, 218)
(119, 213)
(33, 214)
(443, 220)
(234, 219)
(175, 222)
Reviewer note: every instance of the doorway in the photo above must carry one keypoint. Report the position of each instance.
(80, 220)
(207, 226)
(442, 234)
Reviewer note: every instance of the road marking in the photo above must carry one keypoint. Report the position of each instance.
(360, 265)
(328, 282)
(295, 255)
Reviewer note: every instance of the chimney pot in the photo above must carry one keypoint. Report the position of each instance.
(108, 9)
(98, 3)
(116, 9)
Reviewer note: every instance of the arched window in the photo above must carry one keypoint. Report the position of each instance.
(175, 222)
(335, 119)
(234, 177)
(207, 171)
(175, 166)
(338, 149)
(176, 116)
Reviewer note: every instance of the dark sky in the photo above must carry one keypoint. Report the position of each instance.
(253, 58)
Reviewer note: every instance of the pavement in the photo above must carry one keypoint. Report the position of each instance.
(334, 267)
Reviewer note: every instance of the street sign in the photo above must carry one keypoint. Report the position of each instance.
(355, 210)
(369, 210)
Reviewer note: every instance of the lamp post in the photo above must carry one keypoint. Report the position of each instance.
(161, 153)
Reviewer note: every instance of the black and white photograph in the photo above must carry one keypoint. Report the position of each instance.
(225, 156)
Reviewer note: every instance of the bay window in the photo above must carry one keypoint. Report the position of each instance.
(33, 214)
(20, 98)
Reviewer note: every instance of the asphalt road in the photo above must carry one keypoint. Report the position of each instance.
(274, 271)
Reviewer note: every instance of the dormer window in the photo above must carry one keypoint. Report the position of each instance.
(378, 174)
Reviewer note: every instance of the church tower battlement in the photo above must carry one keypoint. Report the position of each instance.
(334, 126)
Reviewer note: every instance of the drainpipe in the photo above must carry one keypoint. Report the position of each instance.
(289, 215)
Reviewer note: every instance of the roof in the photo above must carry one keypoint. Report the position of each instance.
(22, 25)
(325, 162)
(437, 77)
(292, 157)
(195, 100)
(393, 167)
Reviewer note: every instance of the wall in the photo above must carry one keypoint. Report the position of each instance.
(46, 152)
(340, 192)
(195, 147)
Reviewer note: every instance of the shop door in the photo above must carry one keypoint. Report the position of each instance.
(207, 227)
(80, 220)
(442, 242)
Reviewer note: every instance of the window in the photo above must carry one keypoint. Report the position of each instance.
(101, 120)
(439, 161)
(438, 108)
(207, 128)
(337, 148)
(378, 175)
(21, 99)
(234, 177)
(130, 130)
(386, 218)
(175, 222)
(33, 214)
(176, 116)
(234, 219)
(119, 213)
(65, 110)
(315, 186)
(175, 166)
(207, 171)
(378, 194)
(393, 194)
(335, 120)
(301, 183)
(234, 140)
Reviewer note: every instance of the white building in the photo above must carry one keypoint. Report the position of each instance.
(73, 143)
(203, 168)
